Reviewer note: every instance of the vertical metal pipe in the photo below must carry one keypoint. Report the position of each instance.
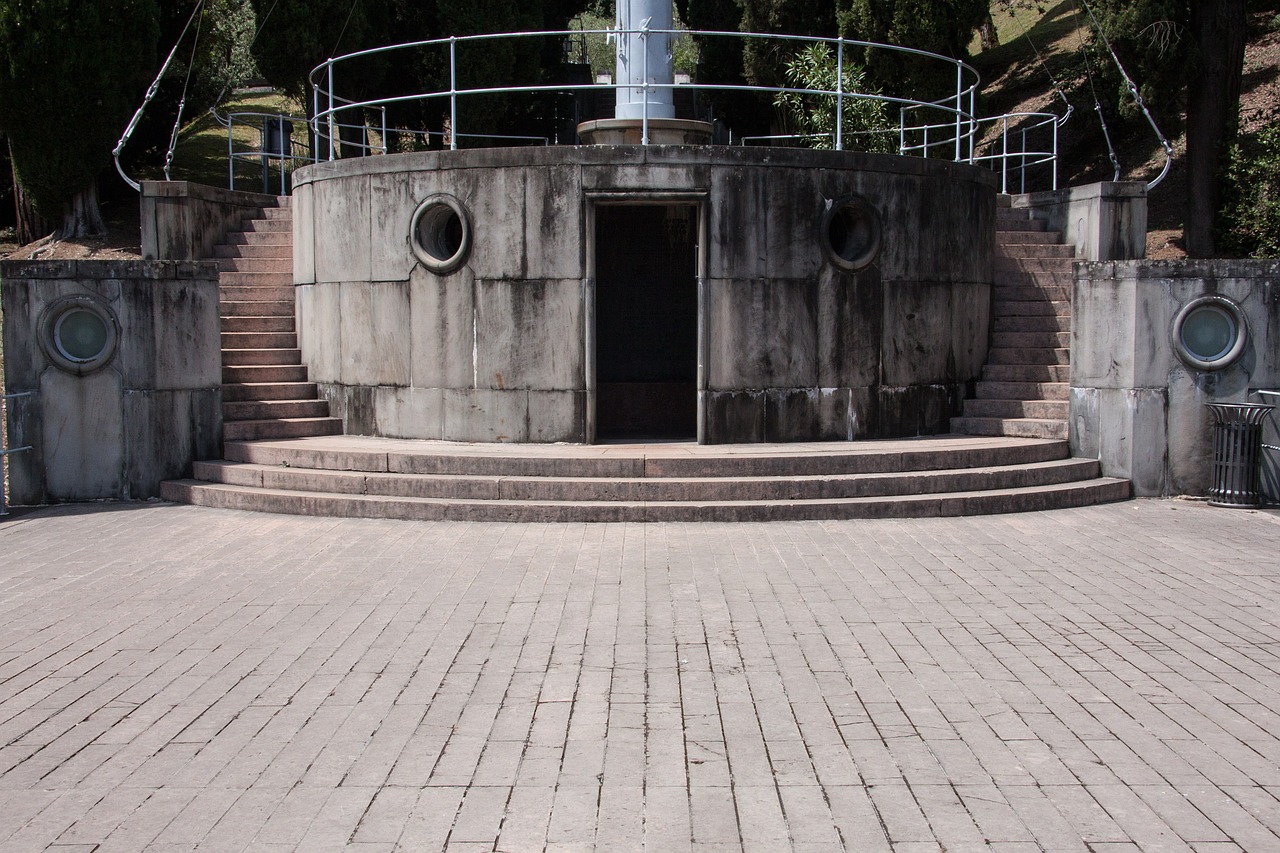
(330, 115)
(644, 78)
(1055, 155)
(959, 104)
(1023, 181)
(840, 93)
(973, 125)
(902, 131)
(704, 341)
(453, 93)
(384, 130)
(231, 154)
(315, 124)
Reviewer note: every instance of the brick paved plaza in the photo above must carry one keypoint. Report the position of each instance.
(175, 678)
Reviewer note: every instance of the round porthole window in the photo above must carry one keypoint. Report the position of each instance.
(79, 334)
(850, 232)
(1210, 333)
(440, 233)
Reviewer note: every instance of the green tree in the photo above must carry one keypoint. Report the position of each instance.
(71, 74)
(865, 122)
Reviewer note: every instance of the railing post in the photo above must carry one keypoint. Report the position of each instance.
(1022, 184)
(283, 148)
(1004, 157)
(840, 93)
(973, 126)
(330, 114)
(959, 104)
(1055, 154)
(384, 131)
(231, 153)
(644, 82)
(453, 93)
(902, 131)
(925, 148)
(315, 124)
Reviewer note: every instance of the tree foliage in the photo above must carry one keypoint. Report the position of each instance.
(1250, 222)
(71, 74)
(865, 122)
(937, 26)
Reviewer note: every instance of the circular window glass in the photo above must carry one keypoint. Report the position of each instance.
(851, 232)
(1209, 333)
(441, 233)
(79, 333)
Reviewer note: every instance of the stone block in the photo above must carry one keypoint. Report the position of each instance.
(553, 222)
(738, 239)
(163, 432)
(761, 333)
(914, 410)
(82, 435)
(443, 328)
(496, 202)
(916, 338)
(342, 228)
(793, 247)
(185, 331)
(485, 414)
(319, 324)
(393, 198)
(409, 412)
(808, 414)
(557, 416)
(1084, 423)
(1102, 328)
(375, 332)
(734, 417)
(849, 321)
(302, 215)
(970, 328)
(529, 334)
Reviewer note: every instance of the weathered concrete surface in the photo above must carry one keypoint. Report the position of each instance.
(1106, 221)
(175, 678)
(897, 342)
(144, 416)
(183, 221)
(1134, 404)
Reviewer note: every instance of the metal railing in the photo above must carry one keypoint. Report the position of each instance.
(276, 142)
(5, 451)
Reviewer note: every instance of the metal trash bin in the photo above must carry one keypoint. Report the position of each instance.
(1237, 454)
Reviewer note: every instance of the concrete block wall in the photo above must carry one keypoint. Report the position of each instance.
(183, 221)
(144, 416)
(794, 347)
(1135, 405)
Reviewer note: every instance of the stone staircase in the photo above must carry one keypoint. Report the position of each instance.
(361, 476)
(1025, 383)
(265, 392)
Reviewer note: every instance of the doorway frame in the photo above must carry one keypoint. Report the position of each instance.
(655, 198)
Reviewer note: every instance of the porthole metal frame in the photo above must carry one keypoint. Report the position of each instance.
(433, 212)
(868, 213)
(50, 323)
(1228, 356)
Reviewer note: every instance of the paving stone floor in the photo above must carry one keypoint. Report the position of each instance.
(175, 678)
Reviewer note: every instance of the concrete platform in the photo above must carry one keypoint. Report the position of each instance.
(177, 678)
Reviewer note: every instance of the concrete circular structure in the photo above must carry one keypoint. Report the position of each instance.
(622, 291)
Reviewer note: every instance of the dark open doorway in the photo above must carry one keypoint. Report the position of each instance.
(646, 308)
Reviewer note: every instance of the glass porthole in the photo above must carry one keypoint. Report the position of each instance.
(79, 334)
(850, 232)
(1209, 333)
(440, 233)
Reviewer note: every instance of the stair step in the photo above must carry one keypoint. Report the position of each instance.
(1039, 292)
(1037, 323)
(1026, 251)
(250, 324)
(280, 308)
(1011, 224)
(260, 410)
(260, 357)
(1025, 339)
(258, 340)
(1041, 278)
(277, 239)
(1027, 373)
(255, 279)
(1031, 308)
(1020, 427)
(1050, 410)
(256, 265)
(1033, 265)
(266, 251)
(282, 212)
(1028, 355)
(282, 225)
(255, 293)
(280, 428)
(988, 390)
(267, 373)
(1012, 239)
(910, 506)
(260, 391)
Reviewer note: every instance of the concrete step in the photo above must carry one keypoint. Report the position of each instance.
(1023, 391)
(1046, 292)
(1036, 323)
(1050, 410)
(240, 324)
(1027, 373)
(1023, 339)
(1010, 224)
(1008, 240)
(277, 239)
(666, 489)
(267, 373)
(1015, 277)
(243, 308)
(1033, 265)
(273, 251)
(282, 212)
(260, 357)
(260, 391)
(1031, 308)
(282, 225)
(275, 265)
(910, 506)
(255, 293)
(280, 428)
(1024, 251)
(1029, 355)
(259, 340)
(259, 410)
(255, 279)
(1020, 427)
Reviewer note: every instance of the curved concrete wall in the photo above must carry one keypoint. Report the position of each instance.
(793, 347)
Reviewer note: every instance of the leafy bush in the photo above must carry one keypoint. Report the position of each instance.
(866, 124)
(1249, 222)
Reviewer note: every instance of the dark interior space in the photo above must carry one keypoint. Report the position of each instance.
(646, 321)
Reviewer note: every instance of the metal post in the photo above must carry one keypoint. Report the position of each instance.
(1023, 183)
(231, 155)
(925, 147)
(1055, 155)
(959, 104)
(973, 125)
(384, 130)
(902, 131)
(330, 116)
(315, 124)
(1004, 157)
(840, 93)
(453, 93)
(644, 82)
